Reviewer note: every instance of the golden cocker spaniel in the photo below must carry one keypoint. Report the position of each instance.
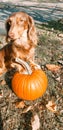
(22, 39)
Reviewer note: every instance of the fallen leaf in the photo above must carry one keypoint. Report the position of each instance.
(52, 106)
(60, 35)
(2, 82)
(53, 67)
(35, 122)
(1, 94)
(58, 79)
(60, 62)
(27, 109)
(20, 104)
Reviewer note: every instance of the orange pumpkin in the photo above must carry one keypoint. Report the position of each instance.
(30, 86)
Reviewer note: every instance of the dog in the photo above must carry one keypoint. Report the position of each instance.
(22, 40)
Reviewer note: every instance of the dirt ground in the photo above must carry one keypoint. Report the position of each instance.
(35, 115)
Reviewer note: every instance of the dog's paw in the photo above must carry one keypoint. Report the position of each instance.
(35, 66)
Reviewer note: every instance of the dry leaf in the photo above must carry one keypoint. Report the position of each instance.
(35, 122)
(52, 67)
(2, 82)
(58, 79)
(1, 94)
(60, 62)
(20, 104)
(60, 35)
(52, 106)
(27, 109)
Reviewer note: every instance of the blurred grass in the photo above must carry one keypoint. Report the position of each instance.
(50, 45)
(51, 1)
(52, 25)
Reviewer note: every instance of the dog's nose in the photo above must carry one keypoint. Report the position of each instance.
(11, 34)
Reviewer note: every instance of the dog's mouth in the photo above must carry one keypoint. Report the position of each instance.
(13, 39)
(18, 37)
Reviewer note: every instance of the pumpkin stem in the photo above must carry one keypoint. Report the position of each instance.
(24, 64)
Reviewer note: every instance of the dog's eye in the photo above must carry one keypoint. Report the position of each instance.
(9, 22)
(20, 22)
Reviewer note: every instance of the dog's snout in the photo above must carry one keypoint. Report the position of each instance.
(11, 34)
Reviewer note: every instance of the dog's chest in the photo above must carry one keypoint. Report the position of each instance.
(23, 40)
(22, 46)
(24, 36)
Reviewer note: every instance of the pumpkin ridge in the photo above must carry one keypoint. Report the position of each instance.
(29, 87)
(25, 87)
(33, 86)
(23, 79)
(38, 88)
(14, 81)
(20, 86)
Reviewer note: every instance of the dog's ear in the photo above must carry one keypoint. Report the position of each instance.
(7, 26)
(32, 31)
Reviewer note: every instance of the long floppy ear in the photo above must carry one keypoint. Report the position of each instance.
(7, 26)
(32, 31)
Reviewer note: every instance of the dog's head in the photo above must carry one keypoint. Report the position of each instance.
(21, 24)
